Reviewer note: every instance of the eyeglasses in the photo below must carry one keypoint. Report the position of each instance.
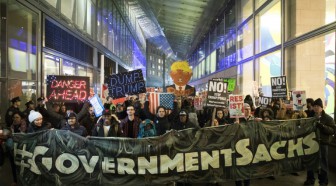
(129, 109)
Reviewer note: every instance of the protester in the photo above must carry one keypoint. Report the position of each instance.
(248, 99)
(18, 126)
(16, 102)
(60, 119)
(188, 107)
(130, 125)
(247, 117)
(36, 122)
(266, 112)
(89, 120)
(30, 105)
(161, 119)
(219, 118)
(40, 107)
(183, 122)
(107, 126)
(147, 129)
(139, 111)
(73, 125)
(310, 109)
(326, 126)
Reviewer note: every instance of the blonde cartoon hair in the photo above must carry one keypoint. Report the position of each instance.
(180, 65)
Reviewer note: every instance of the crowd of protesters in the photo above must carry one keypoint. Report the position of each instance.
(134, 120)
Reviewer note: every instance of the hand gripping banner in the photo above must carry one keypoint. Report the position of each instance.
(216, 154)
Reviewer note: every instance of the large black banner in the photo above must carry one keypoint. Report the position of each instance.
(126, 83)
(220, 154)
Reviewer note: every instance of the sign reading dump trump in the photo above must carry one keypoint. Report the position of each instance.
(126, 83)
(68, 88)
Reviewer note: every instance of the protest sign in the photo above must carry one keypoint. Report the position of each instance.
(97, 105)
(279, 87)
(236, 103)
(125, 83)
(299, 100)
(217, 93)
(68, 88)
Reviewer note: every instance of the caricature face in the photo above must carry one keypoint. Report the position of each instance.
(180, 77)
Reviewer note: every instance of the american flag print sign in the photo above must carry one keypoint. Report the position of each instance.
(160, 99)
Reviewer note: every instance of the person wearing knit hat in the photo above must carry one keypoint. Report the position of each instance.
(36, 122)
(73, 125)
(33, 115)
(327, 128)
(318, 102)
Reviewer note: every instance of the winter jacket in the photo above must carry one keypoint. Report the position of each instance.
(78, 129)
(124, 127)
(327, 129)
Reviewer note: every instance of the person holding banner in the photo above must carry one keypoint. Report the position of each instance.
(107, 126)
(36, 122)
(73, 125)
(219, 119)
(89, 120)
(247, 117)
(183, 122)
(160, 118)
(326, 126)
(130, 125)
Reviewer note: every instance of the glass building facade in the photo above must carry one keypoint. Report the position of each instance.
(259, 39)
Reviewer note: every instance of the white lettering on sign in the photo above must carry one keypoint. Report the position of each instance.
(217, 86)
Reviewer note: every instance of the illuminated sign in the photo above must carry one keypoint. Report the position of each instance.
(126, 83)
(67, 88)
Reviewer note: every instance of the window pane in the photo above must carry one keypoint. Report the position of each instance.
(67, 8)
(245, 77)
(245, 10)
(80, 13)
(304, 16)
(22, 34)
(266, 67)
(311, 67)
(268, 27)
(245, 41)
(213, 62)
(89, 14)
(90, 74)
(230, 38)
(50, 65)
(81, 71)
(68, 68)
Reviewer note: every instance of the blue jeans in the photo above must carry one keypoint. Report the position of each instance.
(324, 166)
